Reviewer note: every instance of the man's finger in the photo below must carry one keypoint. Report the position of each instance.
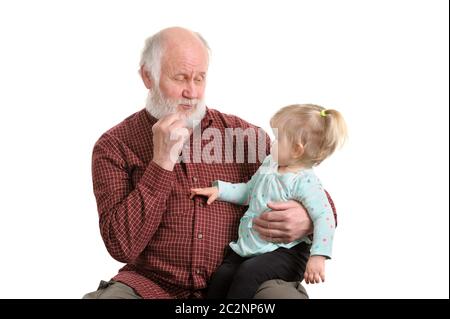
(171, 122)
(283, 205)
(169, 119)
(178, 134)
(271, 235)
(268, 231)
(272, 217)
(275, 240)
(178, 125)
(281, 226)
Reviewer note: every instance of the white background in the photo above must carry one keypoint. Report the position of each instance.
(68, 72)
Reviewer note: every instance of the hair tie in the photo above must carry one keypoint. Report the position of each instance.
(323, 113)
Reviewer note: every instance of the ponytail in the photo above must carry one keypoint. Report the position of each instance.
(334, 133)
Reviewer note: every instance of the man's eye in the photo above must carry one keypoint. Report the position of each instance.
(179, 78)
(199, 79)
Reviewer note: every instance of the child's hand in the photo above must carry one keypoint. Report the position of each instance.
(211, 192)
(315, 270)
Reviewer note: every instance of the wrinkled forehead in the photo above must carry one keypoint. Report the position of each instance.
(187, 58)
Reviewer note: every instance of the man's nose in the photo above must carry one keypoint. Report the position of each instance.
(190, 90)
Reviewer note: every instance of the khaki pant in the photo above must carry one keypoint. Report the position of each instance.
(112, 290)
(272, 289)
(280, 289)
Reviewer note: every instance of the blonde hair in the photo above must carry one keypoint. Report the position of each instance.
(319, 130)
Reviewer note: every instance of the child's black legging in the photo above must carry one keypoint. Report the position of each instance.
(239, 277)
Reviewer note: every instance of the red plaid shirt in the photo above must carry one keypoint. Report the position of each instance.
(171, 244)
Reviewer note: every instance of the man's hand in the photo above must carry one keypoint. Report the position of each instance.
(211, 192)
(286, 222)
(169, 135)
(315, 270)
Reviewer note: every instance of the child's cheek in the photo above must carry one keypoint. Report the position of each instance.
(274, 151)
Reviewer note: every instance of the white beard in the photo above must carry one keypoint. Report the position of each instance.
(158, 106)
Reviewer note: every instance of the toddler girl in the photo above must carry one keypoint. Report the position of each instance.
(305, 135)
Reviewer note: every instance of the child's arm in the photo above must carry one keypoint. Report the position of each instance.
(224, 191)
(233, 193)
(211, 192)
(311, 194)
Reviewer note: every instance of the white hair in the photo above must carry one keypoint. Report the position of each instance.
(151, 56)
(153, 52)
(159, 106)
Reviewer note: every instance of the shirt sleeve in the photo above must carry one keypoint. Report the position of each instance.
(309, 191)
(129, 215)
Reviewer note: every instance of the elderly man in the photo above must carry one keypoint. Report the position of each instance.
(172, 244)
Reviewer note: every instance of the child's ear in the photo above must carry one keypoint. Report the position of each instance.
(298, 150)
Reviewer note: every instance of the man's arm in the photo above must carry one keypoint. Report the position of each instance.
(128, 217)
(288, 221)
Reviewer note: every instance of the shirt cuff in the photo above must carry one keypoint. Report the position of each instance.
(219, 185)
(157, 178)
(321, 251)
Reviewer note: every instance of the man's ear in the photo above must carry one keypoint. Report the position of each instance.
(146, 78)
(298, 150)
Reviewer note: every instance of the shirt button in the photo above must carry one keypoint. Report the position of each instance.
(195, 179)
(200, 236)
(197, 271)
(200, 204)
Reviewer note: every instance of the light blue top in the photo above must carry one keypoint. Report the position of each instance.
(267, 185)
